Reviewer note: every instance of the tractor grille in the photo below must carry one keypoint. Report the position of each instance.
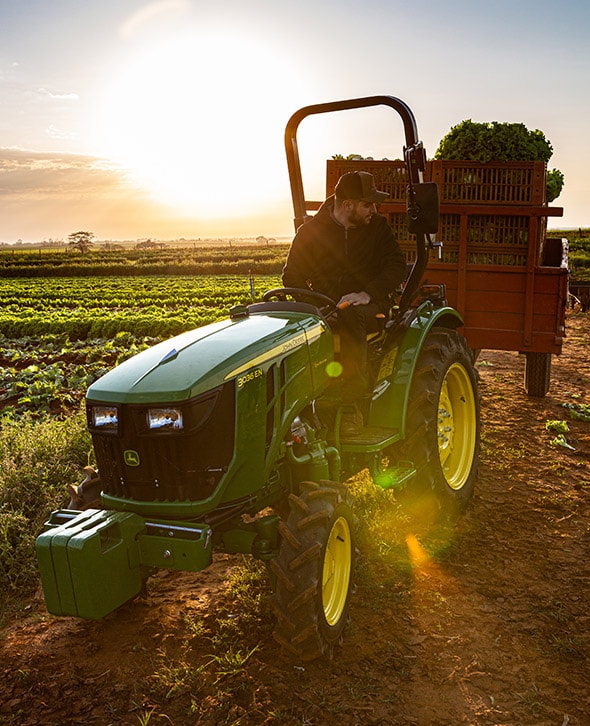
(171, 466)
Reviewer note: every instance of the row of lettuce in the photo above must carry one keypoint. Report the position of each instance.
(58, 335)
(49, 375)
(98, 307)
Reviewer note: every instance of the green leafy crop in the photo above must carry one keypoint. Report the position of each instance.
(500, 141)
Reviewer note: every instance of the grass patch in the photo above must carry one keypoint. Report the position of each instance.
(381, 520)
(231, 662)
(174, 677)
(532, 699)
(572, 646)
(243, 613)
(37, 459)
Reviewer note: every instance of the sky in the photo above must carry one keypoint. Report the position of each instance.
(166, 119)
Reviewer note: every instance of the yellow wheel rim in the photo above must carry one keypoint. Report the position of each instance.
(456, 426)
(336, 573)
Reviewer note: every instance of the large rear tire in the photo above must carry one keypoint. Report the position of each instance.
(442, 428)
(314, 571)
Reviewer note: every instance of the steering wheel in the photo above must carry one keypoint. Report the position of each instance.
(325, 304)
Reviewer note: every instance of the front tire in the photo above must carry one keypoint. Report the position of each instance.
(442, 427)
(314, 571)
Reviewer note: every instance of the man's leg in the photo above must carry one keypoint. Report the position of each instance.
(355, 322)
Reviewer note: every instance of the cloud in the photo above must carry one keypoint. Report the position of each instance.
(150, 14)
(49, 194)
(59, 96)
(33, 174)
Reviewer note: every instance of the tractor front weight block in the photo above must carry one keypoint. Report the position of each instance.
(94, 561)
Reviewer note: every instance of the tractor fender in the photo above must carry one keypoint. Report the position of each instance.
(389, 404)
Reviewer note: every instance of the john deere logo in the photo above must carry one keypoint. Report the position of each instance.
(131, 457)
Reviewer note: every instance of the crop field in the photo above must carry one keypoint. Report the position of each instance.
(579, 252)
(129, 261)
(58, 334)
(66, 318)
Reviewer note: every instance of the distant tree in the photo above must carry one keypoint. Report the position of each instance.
(500, 141)
(146, 244)
(82, 241)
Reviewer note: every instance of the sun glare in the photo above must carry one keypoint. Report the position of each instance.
(198, 121)
(419, 557)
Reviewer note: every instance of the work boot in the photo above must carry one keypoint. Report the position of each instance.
(351, 423)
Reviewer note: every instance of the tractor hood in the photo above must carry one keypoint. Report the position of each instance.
(201, 359)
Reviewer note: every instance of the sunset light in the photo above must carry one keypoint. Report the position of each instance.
(166, 118)
(183, 116)
(294, 371)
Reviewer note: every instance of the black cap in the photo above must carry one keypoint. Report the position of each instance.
(359, 185)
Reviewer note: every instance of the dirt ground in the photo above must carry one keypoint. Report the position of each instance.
(494, 628)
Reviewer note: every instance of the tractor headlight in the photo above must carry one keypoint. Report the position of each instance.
(105, 418)
(165, 419)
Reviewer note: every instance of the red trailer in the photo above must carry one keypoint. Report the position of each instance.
(503, 274)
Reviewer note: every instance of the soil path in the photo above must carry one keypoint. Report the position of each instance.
(491, 629)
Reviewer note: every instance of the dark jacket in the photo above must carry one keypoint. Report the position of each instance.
(327, 258)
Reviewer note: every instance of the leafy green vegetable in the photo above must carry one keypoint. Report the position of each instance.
(562, 441)
(495, 141)
(579, 411)
(560, 427)
(500, 141)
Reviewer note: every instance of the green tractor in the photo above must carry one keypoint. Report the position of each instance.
(226, 438)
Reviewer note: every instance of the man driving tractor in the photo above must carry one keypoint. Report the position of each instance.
(347, 251)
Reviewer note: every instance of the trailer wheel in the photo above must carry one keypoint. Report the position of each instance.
(314, 571)
(537, 374)
(442, 428)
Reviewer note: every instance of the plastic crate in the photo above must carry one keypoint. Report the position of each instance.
(491, 214)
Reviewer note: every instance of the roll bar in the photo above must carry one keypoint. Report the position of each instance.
(422, 222)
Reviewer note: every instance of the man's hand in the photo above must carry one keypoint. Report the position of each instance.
(354, 298)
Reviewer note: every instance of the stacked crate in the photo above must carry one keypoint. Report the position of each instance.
(492, 210)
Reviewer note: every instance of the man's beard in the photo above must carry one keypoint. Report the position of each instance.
(359, 221)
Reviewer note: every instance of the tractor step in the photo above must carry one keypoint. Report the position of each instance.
(369, 439)
(394, 477)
